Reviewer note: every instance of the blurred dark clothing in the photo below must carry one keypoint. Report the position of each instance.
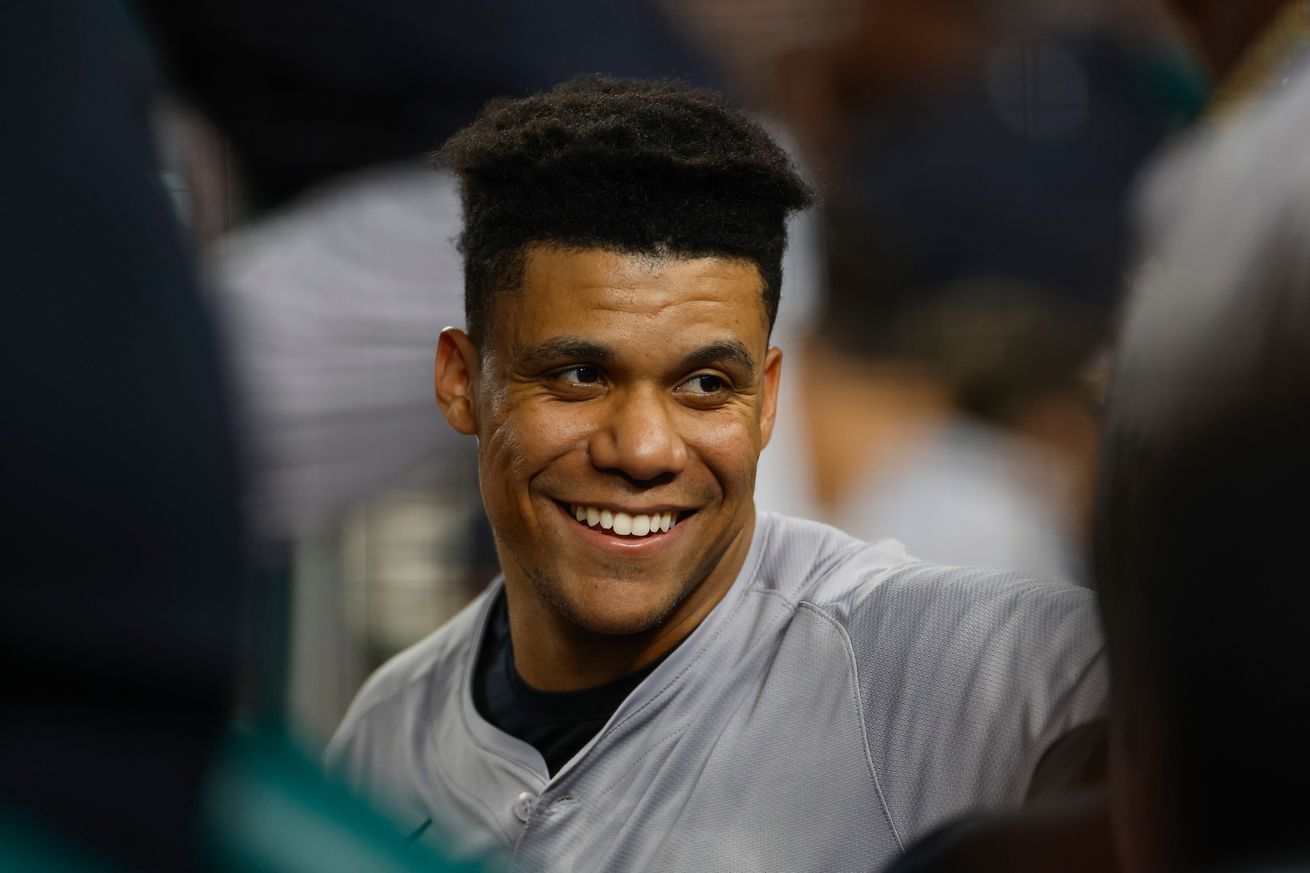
(1077, 761)
(124, 542)
(29, 846)
(307, 90)
(1068, 835)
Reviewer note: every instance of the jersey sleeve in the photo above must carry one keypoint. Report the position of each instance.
(379, 744)
(966, 677)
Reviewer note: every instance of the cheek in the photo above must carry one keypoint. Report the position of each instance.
(526, 438)
(730, 448)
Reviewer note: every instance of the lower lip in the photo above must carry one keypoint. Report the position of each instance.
(601, 538)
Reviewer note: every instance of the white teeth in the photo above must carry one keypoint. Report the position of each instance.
(625, 524)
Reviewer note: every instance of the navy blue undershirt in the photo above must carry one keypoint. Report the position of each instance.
(556, 723)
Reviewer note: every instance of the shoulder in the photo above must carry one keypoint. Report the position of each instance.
(918, 628)
(963, 675)
(856, 581)
(948, 620)
(394, 692)
(808, 561)
(970, 644)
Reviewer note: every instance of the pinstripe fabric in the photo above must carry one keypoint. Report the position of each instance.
(840, 700)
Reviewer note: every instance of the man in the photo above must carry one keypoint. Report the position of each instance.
(664, 679)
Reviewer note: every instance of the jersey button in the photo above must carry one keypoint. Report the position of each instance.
(523, 806)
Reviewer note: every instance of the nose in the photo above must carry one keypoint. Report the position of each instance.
(639, 437)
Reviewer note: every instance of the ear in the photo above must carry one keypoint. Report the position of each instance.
(456, 375)
(769, 404)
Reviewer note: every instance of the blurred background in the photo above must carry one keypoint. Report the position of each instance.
(947, 316)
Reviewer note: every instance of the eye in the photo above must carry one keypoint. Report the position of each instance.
(581, 375)
(706, 384)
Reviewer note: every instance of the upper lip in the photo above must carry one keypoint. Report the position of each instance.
(630, 510)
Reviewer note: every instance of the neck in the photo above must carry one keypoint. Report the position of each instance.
(569, 658)
(554, 653)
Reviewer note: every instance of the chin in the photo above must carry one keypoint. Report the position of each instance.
(622, 625)
(613, 614)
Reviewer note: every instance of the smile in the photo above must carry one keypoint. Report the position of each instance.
(625, 524)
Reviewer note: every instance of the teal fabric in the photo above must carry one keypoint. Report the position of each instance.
(269, 810)
(31, 847)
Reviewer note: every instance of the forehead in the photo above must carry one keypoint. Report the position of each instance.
(622, 297)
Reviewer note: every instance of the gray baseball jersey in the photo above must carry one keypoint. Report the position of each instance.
(841, 699)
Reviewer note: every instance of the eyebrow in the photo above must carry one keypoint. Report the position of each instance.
(572, 348)
(566, 348)
(723, 351)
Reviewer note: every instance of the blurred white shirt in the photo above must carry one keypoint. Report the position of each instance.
(970, 495)
(332, 309)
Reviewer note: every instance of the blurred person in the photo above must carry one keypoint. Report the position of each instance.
(331, 303)
(644, 685)
(1201, 423)
(1205, 438)
(128, 549)
(973, 267)
(965, 430)
(1207, 427)
(125, 543)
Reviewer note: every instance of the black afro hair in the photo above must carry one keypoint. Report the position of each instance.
(632, 165)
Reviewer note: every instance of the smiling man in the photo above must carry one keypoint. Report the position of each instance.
(664, 678)
(632, 395)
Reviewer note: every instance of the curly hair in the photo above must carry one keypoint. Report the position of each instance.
(639, 166)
